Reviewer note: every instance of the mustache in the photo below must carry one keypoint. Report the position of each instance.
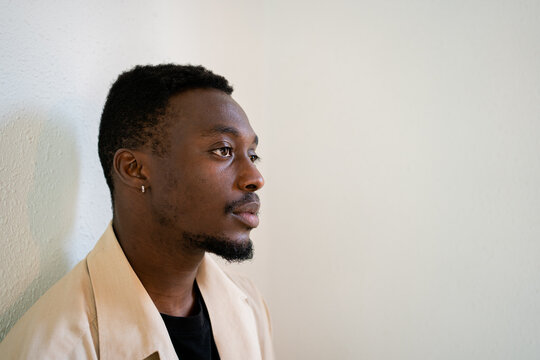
(246, 199)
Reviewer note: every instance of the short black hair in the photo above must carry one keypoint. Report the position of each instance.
(134, 113)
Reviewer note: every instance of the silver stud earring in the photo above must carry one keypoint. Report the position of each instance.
(143, 189)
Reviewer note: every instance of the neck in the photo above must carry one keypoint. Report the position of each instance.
(164, 266)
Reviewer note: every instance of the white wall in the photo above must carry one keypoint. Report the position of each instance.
(399, 144)
(403, 179)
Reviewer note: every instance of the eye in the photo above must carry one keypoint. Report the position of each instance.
(225, 151)
(254, 158)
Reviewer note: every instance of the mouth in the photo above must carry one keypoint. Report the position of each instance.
(248, 214)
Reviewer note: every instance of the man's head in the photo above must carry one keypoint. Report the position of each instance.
(176, 131)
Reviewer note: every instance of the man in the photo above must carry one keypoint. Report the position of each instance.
(179, 157)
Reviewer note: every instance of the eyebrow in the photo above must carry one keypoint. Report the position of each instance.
(222, 129)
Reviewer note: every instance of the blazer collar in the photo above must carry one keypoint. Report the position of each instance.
(130, 326)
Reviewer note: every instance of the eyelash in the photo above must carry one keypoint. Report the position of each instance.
(254, 158)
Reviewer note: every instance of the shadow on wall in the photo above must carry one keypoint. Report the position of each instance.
(39, 186)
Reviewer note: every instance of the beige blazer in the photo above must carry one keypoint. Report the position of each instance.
(100, 310)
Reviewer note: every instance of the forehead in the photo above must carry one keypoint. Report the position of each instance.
(198, 113)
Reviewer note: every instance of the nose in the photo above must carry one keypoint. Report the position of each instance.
(249, 177)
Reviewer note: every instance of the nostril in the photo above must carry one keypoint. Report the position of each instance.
(251, 187)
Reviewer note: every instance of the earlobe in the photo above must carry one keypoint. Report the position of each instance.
(129, 168)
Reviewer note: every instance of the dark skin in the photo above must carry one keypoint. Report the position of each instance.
(209, 164)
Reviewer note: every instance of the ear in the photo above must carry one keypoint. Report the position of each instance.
(129, 168)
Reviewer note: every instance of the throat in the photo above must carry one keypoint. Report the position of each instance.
(177, 303)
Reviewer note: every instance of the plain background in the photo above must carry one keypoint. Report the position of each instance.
(400, 146)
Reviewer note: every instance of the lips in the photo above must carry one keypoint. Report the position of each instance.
(247, 214)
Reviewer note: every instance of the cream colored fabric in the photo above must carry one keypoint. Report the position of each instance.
(100, 310)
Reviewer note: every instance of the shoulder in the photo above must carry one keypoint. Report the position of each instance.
(61, 324)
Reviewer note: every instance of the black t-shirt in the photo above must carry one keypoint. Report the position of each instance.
(192, 335)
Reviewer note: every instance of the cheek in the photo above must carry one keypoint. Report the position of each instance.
(203, 192)
(210, 187)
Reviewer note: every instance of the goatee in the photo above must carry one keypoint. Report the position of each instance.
(228, 249)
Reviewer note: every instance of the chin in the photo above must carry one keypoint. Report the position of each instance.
(235, 249)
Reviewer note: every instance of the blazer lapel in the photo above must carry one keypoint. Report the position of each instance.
(233, 322)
